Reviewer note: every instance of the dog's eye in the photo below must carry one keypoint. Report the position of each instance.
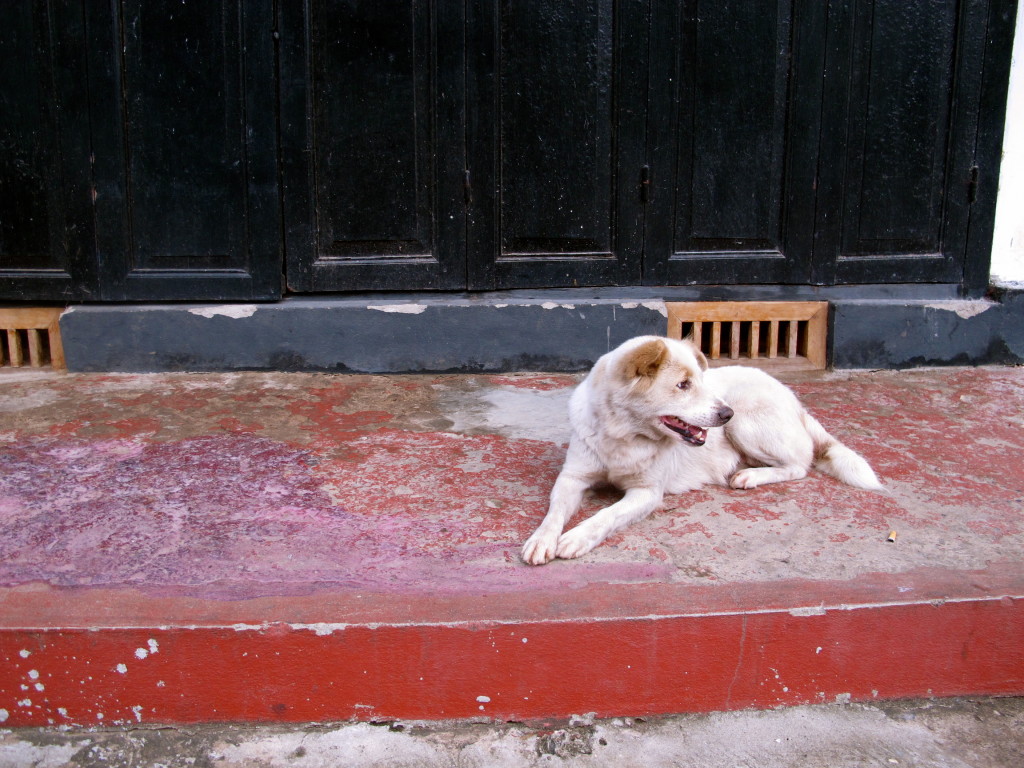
(685, 384)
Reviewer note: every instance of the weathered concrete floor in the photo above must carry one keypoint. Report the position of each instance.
(268, 484)
(324, 501)
(987, 733)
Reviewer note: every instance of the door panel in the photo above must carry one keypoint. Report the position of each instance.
(733, 140)
(897, 156)
(45, 216)
(372, 143)
(372, 214)
(184, 129)
(902, 126)
(736, 91)
(555, 99)
(556, 140)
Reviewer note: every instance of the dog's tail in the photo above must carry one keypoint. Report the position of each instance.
(834, 458)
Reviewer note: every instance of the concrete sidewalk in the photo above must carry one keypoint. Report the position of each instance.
(946, 733)
(260, 547)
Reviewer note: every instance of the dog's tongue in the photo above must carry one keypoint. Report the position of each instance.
(688, 431)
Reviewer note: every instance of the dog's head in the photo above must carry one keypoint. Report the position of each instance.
(661, 382)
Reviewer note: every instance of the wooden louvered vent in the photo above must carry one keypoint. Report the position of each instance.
(775, 335)
(30, 337)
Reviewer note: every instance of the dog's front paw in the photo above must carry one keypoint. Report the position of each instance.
(575, 543)
(745, 479)
(540, 547)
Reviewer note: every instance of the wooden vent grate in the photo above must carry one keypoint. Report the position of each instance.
(780, 335)
(30, 336)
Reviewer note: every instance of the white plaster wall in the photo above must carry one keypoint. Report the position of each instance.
(1008, 240)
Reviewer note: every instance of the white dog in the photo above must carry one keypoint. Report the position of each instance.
(646, 419)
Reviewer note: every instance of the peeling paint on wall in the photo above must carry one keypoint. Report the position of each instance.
(657, 306)
(963, 309)
(403, 309)
(234, 311)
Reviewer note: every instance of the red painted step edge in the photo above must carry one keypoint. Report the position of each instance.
(511, 670)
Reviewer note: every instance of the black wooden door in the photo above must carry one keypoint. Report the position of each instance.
(544, 144)
(779, 157)
(177, 149)
(184, 141)
(372, 143)
(898, 146)
(556, 134)
(45, 209)
(735, 91)
(380, 186)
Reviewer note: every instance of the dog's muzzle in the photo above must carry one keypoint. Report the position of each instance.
(692, 434)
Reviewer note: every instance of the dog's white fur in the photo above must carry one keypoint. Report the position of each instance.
(756, 432)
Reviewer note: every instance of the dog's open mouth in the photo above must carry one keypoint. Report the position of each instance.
(689, 433)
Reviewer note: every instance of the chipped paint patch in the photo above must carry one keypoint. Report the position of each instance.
(37, 398)
(321, 629)
(513, 412)
(657, 306)
(963, 309)
(233, 311)
(811, 610)
(402, 309)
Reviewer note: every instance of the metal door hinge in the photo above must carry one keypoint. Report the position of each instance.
(972, 185)
(467, 187)
(645, 183)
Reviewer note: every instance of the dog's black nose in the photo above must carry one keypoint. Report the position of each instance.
(725, 413)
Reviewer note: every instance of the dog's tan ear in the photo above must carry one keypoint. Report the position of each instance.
(701, 360)
(645, 360)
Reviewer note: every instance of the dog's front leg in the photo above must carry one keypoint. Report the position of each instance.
(566, 496)
(635, 505)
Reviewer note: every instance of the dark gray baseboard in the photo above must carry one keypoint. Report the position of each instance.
(554, 330)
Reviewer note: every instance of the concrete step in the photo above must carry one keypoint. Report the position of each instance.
(264, 547)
